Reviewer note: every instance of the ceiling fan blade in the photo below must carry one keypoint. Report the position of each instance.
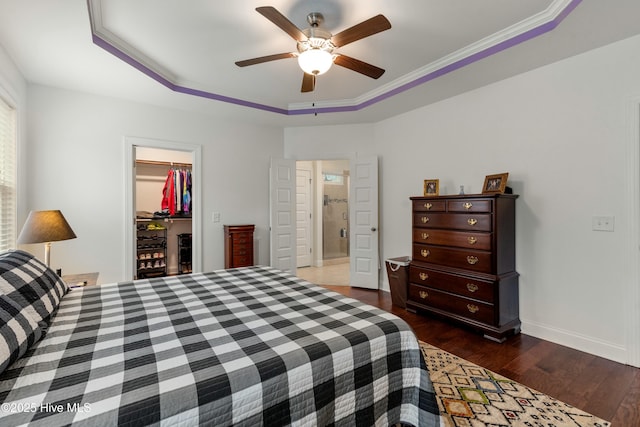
(359, 31)
(267, 58)
(308, 82)
(358, 66)
(281, 21)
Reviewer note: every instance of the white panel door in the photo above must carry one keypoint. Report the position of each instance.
(303, 217)
(282, 218)
(363, 219)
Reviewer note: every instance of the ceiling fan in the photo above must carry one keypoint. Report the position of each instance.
(316, 47)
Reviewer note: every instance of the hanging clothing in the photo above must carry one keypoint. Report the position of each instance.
(186, 194)
(176, 194)
(168, 194)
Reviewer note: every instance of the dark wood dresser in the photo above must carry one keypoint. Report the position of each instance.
(238, 245)
(463, 262)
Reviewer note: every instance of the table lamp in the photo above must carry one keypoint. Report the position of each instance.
(45, 227)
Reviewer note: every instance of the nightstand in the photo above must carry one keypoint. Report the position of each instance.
(80, 280)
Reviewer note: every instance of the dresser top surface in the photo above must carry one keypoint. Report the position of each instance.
(466, 196)
(245, 226)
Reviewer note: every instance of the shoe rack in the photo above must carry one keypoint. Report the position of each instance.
(151, 254)
(184, 253)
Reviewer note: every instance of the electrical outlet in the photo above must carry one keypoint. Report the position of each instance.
(216, 217)
(602, 223)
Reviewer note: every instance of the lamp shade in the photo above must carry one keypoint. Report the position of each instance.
(315, 61)
(45, 226)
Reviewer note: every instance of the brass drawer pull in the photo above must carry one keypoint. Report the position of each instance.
(424, 276)
(472, 259)
(423, 294)
(472, 287)
(425, 253)
(472, 240)
(428, 206)
(472, 221)
(472, 308)
(467, 206)
(425, 236)
(424, 219)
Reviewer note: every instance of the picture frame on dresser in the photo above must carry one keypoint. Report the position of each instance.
(431, 187)
(495, 184)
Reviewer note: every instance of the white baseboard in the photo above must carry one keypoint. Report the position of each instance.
(607, 350)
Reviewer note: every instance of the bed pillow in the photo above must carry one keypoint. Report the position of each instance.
(31, 284)
(18, 331)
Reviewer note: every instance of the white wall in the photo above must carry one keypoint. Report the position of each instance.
(562, 133)
(76, 164)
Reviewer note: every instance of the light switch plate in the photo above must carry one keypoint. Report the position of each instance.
(602, 223)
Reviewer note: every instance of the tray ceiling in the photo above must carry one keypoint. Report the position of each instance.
(169, 52)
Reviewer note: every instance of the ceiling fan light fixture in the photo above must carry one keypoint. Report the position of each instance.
(316, 46)
(315, 61)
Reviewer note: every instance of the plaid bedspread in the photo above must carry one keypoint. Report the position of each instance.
(251, 346)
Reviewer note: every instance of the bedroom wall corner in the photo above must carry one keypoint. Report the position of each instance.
(561, 133)
(75, 164)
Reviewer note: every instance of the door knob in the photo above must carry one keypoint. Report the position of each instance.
(373, 229)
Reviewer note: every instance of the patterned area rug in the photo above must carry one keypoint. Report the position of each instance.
(469, 396)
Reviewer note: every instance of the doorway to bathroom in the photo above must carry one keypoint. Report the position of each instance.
(322, 221)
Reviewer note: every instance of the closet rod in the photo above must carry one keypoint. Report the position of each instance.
(157, 162)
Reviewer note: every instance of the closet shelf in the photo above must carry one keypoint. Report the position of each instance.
(164, 218)
(160, 163)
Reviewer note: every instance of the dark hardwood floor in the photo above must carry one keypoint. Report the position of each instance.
(606, 389)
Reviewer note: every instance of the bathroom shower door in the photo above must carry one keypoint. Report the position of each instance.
(335, 216)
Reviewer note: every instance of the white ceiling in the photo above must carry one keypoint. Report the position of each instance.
(191, 46)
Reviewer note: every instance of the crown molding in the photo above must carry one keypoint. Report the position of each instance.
(535, 25)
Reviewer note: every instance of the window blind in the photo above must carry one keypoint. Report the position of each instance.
(7, 176)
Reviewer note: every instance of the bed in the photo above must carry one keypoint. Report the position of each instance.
(247, 346)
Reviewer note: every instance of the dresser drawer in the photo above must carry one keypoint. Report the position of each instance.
(459, 285)
(470, 206)
(241, 250)
(242, 238)
(466, 307)
(462, 239)
(429, 205)
(477, 222)
(242, 260)
(471, 260)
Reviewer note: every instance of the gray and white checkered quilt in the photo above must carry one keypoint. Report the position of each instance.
(251, 346)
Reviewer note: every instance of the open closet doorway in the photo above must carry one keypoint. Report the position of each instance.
(163, 209)
(322, 221)
(163, 212)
